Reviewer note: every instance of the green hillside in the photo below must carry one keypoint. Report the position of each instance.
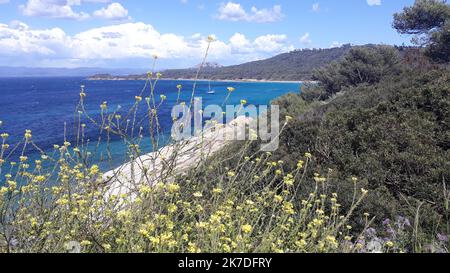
(295, 65)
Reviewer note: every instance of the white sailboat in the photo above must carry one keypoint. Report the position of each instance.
(210, 90)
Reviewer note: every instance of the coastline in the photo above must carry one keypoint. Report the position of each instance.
(200, 80)
(174, 159)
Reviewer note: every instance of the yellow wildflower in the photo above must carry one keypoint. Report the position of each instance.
(198, 194)
(192, 248)
(173, 188)
(85, 243)
(247, 228)
(94, 170)
(39, 179)
(278, 198)
(145, 189)
(288, 208)
(27, 134)
(172, 208)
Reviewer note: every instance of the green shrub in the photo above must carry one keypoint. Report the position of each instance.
(361, 65)
(393, 136)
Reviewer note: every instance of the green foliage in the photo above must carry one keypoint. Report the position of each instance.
(422, 17)
(313, 93)
(429, 19)
(292, 105)
(439, 48)
(393, 135)
(362, 65)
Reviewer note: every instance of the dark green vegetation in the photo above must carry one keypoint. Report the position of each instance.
(392, 135)
(361, 65)
(384, 118)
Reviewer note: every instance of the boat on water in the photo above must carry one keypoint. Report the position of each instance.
(211, 91)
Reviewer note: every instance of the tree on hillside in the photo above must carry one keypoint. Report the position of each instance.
(361, 65)
(429, 21)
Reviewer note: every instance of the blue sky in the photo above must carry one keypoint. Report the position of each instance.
(126, 33)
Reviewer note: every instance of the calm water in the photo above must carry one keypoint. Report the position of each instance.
(43, 105)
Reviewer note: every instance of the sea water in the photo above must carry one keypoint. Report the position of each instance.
(47, 107)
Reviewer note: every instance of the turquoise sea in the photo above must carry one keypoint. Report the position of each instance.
(44, 105)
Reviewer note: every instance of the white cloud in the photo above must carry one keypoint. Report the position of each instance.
(4, 1)
(114, 11)
(316, 7)
(271, 43)
(239, 43)
(128, 41)
(336, 44)
(64, 9)
(17, 39)
(306, 39)
(262, 46)
(53, 8)
(374, 2)
(232, 11)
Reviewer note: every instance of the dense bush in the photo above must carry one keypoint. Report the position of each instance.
(361, 65)
(393, 135)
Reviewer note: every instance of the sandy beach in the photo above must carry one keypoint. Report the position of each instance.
(126, 78)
